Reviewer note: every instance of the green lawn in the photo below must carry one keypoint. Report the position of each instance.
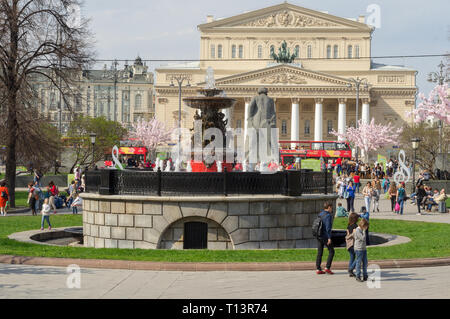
(429, 240)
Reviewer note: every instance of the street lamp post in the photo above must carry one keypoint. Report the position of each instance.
(440, 77)
(415, 145)
(179, 78)
(357, 84)
(93, 137)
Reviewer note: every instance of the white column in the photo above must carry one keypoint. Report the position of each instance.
(246, 113)
(342, 117)
(295, 122)
(366, 111)
(318, 120)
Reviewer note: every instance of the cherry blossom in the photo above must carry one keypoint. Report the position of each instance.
(435, 107)
(151, 133)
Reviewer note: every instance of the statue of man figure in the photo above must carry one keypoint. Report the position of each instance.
(261, 120)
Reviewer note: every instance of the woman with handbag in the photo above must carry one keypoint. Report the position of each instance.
(350, 242)
(393, 195)
(401, 197)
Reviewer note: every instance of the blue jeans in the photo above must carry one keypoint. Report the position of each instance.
(358, 185)
(367, 201)
(45, 218)
(401, 202)
(361, 260)
(352, 262)
(74, 210)
(351, 204)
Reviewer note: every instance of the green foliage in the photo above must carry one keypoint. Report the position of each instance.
(429, 240)
(109, 133)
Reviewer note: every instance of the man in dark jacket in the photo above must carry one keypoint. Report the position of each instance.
(325, 239)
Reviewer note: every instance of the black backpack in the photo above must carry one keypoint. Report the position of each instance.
(317, 227)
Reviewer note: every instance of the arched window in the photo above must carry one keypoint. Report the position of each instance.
(328, 51)
(260, 52)
(357, 51)
(336, 52)
(350, 51)
(309, 51)
(297, 51)
(272, 48)
(138, 102)
(307, 127)
(233, 52)
(284, 127)
(241, 51)
(219, 51)
(213, 51)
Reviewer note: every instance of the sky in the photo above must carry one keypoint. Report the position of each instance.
(167, 29)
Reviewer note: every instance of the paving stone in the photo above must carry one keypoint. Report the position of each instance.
(104, 207)
(134, 234)
(231, 223)
(118, 207)
(144, 245)
(126, 220)
(259, 208)
(277, 233)
(151, 235)
(111, 243)
(218, 212)
(99, 219)
(248, 221)
(247, 246)
(277, 208)
(268, 221)
(99, 243)
(194, 209)
(153, 208)
(171, 212)
(144, 221)
(111, 220)
(240, 236)
(118, 232)
(134, 208)
(160, 223)
(239, 208)
(105, 232)
(259, 234)
(126, 244)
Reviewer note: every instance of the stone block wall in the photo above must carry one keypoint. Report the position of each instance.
(248, 222)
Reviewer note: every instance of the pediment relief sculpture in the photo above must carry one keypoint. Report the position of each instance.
(288, 18)
(284, 78)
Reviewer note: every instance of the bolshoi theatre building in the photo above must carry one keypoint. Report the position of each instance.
(313, 95)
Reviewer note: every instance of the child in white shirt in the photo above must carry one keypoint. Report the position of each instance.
(46, 214)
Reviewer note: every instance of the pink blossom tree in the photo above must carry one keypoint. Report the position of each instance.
(371, 136)
(151, 134)
(435, 107)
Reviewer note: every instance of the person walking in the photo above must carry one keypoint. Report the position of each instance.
(324, 239)
(376, 200)
(33, 198)
(4, 198)
(420, 195)
(46, 215)
(350, 197)
(401, 196)
(350, 242)
(53, 192)
(360, 247)
(392, 192)
(365, 214)
(368, 193)
(76, 203)
(357, 180)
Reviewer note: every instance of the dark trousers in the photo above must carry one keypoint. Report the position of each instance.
(393, 202)
(33, 206)
(351, 204)
(320, 245)
(419, 202)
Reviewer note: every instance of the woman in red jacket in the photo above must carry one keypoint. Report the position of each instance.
(4, 198)
(53, 192)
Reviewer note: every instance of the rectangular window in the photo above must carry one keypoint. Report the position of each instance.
(284, 127)
(350, 52)
(309, 51)
(241, 51)
(259, 51)
(357, 51)
(330, 126)
(219, 51)
(336, 52)
(307, 127)
(328, 51)
(213, 51)
(233, 52)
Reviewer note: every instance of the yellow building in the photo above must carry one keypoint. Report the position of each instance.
(314, 94)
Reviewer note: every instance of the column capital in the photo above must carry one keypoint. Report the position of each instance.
(366, 101)
(343, 100)
(295, 100)
(319, 100)
(247, 99)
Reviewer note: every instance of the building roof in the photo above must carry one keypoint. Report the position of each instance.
(385, 67)
(185, 65)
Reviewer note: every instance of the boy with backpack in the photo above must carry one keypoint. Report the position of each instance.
(321, 228)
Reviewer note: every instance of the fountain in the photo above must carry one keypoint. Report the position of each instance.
(210, 102)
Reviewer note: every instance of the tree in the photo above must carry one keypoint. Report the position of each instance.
(37, 38)
(428, 147)
(435, 107)
(151, 134)
(370, 137)
(109, 133)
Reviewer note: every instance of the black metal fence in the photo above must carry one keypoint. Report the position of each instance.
(148, 183)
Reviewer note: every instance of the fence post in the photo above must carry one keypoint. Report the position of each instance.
(159, 181)
(225, 188)
(326, 181)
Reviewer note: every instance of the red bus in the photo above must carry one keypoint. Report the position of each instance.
(313, 149)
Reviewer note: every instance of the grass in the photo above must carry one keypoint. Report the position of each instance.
(429, 240)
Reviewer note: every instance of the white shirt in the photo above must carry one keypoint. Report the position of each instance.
(45, 210)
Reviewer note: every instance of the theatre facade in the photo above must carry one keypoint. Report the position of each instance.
(314, 95)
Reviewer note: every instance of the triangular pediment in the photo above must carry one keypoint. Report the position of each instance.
(282, 75)
(285, 16)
